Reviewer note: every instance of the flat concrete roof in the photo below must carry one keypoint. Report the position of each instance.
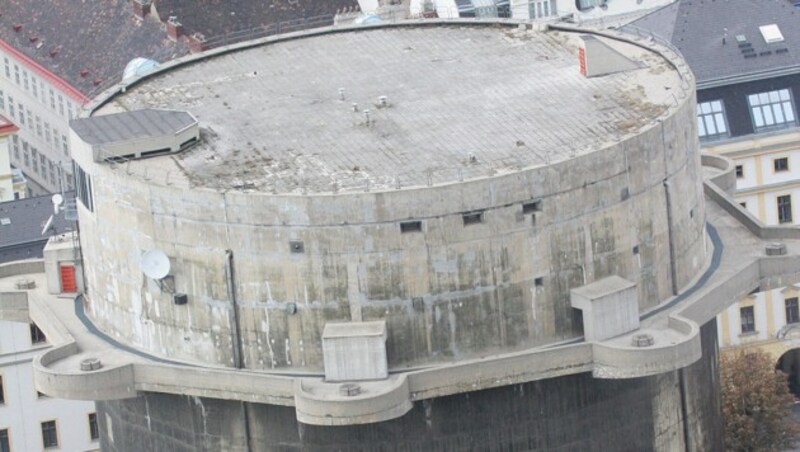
(462, 102)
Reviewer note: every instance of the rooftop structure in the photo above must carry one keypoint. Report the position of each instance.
(322, 122)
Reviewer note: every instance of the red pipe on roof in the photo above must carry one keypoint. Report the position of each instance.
(55, 80)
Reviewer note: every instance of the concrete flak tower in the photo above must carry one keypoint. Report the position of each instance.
(401, 237)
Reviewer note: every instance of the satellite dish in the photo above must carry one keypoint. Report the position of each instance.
(155, 264)
(57, 200)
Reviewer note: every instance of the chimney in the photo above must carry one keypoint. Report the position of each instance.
(141, 8)
(174, 28)
(197, 42)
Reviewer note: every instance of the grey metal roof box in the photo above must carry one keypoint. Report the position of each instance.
(137, 133)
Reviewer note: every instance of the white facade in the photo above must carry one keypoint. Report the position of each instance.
(41, 108)
(23, 411)
(768, 187)
(6, 176)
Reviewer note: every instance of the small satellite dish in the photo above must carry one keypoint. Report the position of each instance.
(155, 264)
(57, 201)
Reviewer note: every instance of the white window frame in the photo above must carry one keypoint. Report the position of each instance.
(772, 110)
(711, 120)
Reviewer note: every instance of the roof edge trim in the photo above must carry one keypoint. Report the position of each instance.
(73, 92)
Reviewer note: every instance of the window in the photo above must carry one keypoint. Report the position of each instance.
(739, 171)
(38, 125)
(35, 159)
(37, 336)
(49, 434)
(64, 144)
(25, 79)
(8, 67)
(2, 392)
(472, 218)
(748, 319)
(94, 433)
(2, 100)
(11, 106)
(538, 9)
(792, 311)
(531, 207)
(772, 110)
(34, 86)
(711, 120)
(52, 99)
(585, 5)
(784, 209)
(21, 113)
(47, 132)
(410, 226)
(61, 105)
(5, 445)
(26, 153)
(15, 146)
(781, 164)
(83, 185)
(16, 73)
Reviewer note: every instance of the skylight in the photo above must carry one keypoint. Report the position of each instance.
(5, 221)
(771, 33)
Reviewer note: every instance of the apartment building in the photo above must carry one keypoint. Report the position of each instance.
(746, 56)
(8, 184)
(30, 420)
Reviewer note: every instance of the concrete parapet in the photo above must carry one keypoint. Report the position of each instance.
(14, 306)
(669, 352)
(21, 268)
(726, 177)
(216, 383)
(106, 383)
(321, 403)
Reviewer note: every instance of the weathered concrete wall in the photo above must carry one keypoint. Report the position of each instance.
(575, 412)
(448, 292)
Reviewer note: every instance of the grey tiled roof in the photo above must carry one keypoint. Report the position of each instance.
(697, 28)
(99, 35)
(131, 125)
(26, 218)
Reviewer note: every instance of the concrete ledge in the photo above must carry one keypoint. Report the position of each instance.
(14, 306)
(511, 368)
(231, 384)
(107, 383)
(21, 268)
(320, 403)
(726, 179)
(748, 220)
(667, 354)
